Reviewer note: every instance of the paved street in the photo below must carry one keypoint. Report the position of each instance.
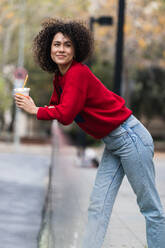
(23, 177)
(23, 181)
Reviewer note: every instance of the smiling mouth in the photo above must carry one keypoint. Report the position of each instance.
(61, 56)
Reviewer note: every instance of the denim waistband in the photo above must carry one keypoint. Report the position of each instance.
(130, 122)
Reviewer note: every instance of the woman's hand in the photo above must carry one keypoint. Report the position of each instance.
(26, 103)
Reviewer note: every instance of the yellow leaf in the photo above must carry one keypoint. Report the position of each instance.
(127, 28)
(164, 53)
(9, 15)
(161, 20)
(142, 43)
(158, 30)
(147, 27)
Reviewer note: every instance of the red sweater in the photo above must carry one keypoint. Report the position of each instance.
(79, 95)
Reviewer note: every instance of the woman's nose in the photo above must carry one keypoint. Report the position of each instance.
(61, 48)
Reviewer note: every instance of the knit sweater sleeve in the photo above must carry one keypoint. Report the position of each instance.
(72, 99)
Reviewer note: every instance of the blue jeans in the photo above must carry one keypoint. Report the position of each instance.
(128, 151)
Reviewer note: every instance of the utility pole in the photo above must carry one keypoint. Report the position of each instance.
(102, 21)
(119, 48)
(19, 83)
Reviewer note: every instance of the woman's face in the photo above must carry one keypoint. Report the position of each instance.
(62, 50)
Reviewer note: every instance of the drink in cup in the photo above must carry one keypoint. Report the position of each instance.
(22, 91)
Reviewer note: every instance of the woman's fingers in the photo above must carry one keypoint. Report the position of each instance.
(18, 96)
(27, 104)
(30, 99)
(20, 101)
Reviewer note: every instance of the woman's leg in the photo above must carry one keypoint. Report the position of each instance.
(138, 166)
(108, 180)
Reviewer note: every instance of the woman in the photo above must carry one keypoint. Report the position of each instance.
(78, 95)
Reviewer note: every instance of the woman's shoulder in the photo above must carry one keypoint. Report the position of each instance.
(79, 68)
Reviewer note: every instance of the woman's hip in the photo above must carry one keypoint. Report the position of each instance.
(131, 131)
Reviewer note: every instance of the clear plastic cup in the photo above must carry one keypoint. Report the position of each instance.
(21, 91)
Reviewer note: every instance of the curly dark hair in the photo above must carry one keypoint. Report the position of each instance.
(78, 33)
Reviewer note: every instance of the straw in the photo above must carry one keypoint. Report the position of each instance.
(25, 80)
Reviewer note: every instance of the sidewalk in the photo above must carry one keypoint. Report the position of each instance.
(23, 181)
(73, 186)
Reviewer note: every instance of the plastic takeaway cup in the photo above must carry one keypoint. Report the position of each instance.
(21, 92)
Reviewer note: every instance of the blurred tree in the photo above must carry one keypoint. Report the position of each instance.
(8, 21)
(5, 101)
(144, 53)
(149, 94)
(103, 69)
(144, 32)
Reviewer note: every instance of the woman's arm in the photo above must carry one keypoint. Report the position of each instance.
(28, 105)
(72, 99)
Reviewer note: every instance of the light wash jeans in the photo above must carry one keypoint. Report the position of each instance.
(128, 151)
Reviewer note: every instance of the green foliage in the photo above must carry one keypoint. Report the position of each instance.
(149, 95)
(6, 99)
(40, 83)
(104, 71)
